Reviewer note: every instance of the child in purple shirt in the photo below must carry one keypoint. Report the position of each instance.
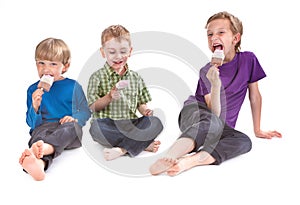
(207, 119)
(236, 76)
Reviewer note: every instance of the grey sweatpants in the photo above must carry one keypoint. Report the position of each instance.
(211, 134)
(60, 136)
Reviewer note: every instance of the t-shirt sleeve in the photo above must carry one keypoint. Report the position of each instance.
(257, 72)
(203, 86)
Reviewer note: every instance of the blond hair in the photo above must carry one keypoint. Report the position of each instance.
(115, 31)
(236, 25)
(53, 49)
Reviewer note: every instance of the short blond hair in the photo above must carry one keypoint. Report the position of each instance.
(236, 25)
(53, 49)
(115, 31)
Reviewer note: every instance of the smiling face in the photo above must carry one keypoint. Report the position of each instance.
(116, 51)
(220, 36)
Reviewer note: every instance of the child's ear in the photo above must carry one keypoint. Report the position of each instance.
(237, 38)
(102, 52)
(65, 68)
(130, 52)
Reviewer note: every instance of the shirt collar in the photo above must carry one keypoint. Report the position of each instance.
(111, 71)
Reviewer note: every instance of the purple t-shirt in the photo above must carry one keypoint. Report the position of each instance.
(235, 76)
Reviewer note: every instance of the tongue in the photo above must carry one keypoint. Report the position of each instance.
(218, 47)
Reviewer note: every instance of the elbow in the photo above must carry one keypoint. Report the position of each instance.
(93, 107)
(255, 99)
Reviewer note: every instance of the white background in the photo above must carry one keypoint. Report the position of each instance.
(268, 174)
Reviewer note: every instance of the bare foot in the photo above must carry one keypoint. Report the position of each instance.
(32, 165)
(38, 149)
(188, 162)
(184, 163)
(162, 165)
(113, 153)
(153, 147)
(21, 159)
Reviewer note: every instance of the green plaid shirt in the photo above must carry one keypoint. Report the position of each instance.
(104, 79)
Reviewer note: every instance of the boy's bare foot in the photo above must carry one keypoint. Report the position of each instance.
(38, 149)
(153, 147)
(113, 153)
(188, 162)
(23, 155)
(32, 165)
(183, 164)
(162, 165)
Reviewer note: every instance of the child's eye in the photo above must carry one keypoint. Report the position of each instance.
(209, 34)
(41, 63)
(53, 64)
(111, 52)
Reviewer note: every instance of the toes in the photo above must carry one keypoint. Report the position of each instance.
(154, 146)
(25, 154)
(157, 142)
(37, 148)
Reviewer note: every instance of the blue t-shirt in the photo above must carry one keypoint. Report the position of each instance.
(235, 76)
(65, 97)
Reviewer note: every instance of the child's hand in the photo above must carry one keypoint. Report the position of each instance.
(144, 110)
(213, 75)
(67, 119)
(37, 99)
(268, 134)
(115, 94)
(147, 112)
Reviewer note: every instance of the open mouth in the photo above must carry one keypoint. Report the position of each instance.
(218, 47)
(47, 75)
(118, 62)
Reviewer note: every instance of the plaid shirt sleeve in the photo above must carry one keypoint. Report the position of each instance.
(92, 90)
(144, 94)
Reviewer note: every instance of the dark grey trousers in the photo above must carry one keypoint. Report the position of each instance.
(211, 134)
(134, 135)
(60, 136)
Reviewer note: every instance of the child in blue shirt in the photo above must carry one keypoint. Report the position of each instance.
(56, 116)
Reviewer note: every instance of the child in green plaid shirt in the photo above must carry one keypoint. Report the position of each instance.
(114, 95)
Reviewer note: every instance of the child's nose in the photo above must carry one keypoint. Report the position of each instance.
(214, 38)
(46, 68)
(119, 55)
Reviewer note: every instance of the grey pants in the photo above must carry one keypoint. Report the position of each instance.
(211, 134)
(134, 135)
(60, 136)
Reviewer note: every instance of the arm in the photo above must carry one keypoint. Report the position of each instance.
(256, 104)
(80, 110)
(101, 103)
(33, 114)
(213, 98)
